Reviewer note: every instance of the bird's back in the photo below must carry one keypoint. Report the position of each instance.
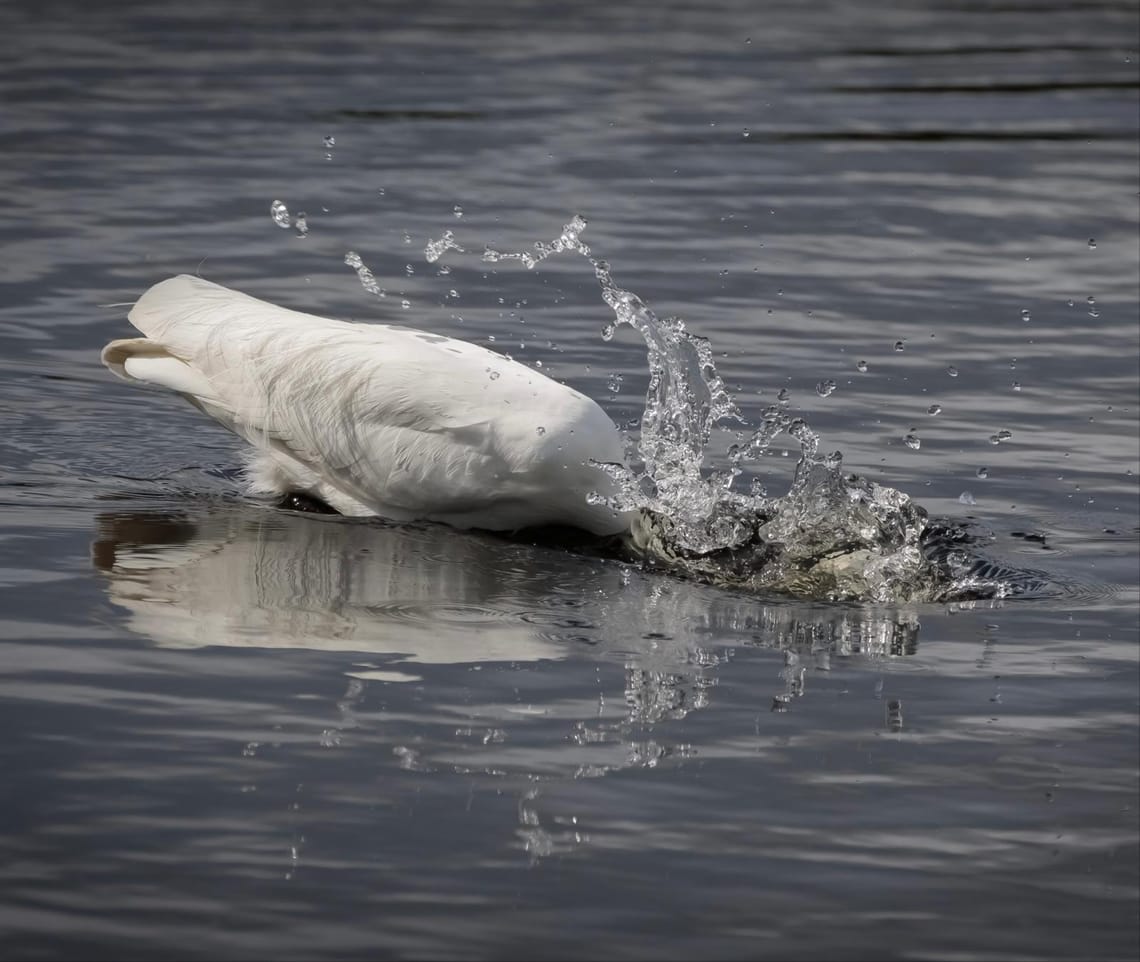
(377, 419)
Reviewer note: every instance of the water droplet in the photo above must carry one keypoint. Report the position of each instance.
(1091, 300)
(367, 279)
(608, 332)
(912, 441)
(934, 409)
(861, 367)
(330, 141)
(280, 214)
(405, 304)
(1025, 315)
(493, 375)
(952, 371)
(784, 396)
(966, 498)
(540, 430)
(746, 133)
(614, 383)
(1016, 385)
(900, 346)
(983, 472)
(301, 224)
(1000, 437)
(1092, 243)
(825, 388)
(457, 211)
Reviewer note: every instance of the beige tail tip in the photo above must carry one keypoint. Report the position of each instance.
(116, 354)
(143, 361)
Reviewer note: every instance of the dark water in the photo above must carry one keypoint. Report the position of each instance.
(235, 732)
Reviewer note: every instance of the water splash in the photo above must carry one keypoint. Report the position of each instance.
(832, 535)
(367, 278)
(282, 218)
(437, 248)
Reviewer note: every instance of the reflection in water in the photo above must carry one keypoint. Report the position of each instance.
(235, 575)
(232, 574)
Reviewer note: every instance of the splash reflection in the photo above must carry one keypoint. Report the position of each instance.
(402, 602)
(232, 574)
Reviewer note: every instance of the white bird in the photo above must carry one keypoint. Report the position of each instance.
(377, 419)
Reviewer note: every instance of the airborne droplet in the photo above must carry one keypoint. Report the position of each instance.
(825, 388)
(280, 214)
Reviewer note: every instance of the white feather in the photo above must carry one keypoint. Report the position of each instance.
(377, 419)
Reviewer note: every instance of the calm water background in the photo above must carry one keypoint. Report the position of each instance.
(234, 732)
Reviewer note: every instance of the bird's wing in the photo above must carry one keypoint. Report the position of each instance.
(394, 418)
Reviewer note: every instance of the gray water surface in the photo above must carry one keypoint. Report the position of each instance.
(238, 732)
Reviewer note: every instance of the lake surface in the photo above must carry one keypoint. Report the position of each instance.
(237, 732)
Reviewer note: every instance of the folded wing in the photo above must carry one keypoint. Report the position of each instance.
(376, 419)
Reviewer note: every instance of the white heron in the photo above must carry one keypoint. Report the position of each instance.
(377, 419)
(383, 420)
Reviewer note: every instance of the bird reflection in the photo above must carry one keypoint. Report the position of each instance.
(232, 574)
(243, 576)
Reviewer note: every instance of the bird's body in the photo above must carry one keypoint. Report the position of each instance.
(376, 419)
(382, 420)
